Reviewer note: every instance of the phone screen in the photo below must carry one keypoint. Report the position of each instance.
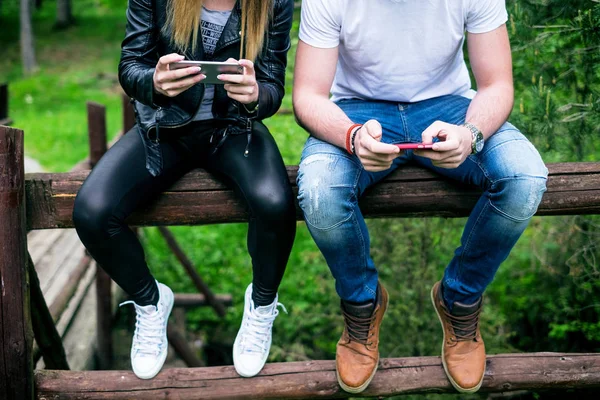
(413, 146)
(211, 69)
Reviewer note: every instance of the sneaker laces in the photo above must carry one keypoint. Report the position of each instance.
(358, 328)
(149, 326)
(465, 327)
(257, 327)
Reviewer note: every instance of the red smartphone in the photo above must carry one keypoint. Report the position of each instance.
(413, 146)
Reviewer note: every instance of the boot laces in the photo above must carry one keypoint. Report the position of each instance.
(464, 327)
(359, 328)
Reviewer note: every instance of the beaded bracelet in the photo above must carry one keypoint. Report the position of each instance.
(350, 134)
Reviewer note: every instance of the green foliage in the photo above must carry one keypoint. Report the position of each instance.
(560, 57)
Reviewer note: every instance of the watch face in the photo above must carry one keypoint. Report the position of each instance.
(479, 144)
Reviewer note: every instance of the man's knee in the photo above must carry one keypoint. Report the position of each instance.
(326, 193)
(517, 173)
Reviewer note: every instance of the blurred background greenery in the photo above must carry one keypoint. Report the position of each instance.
(546, 296)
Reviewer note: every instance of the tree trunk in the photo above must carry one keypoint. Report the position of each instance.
(27, 46)
(64, 17)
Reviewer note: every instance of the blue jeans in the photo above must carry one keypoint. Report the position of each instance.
(508, 169)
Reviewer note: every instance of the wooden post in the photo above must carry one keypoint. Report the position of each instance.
(97, 138)
(191, 271)
(46, 335)
(4, 120)
(96, 114)
(182, 348)
(16, 338)
(128, 114)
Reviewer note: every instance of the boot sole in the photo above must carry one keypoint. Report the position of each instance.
(456, 385)
(361, 388)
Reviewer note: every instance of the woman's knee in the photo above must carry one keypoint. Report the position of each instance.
(92, 214)
(271, 203)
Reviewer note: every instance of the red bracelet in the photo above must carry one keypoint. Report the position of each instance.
(348, 135)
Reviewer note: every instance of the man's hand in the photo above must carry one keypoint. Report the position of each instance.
(453, 148)
(171, 83)
(374, 155)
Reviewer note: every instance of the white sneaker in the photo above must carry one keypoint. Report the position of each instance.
(253, 341)
(150, 345)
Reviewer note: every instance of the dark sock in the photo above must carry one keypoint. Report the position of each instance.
(261, 299)
(147, 295)
(362, 310)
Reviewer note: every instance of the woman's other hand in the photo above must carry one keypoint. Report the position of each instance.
(171, 83)
(242, 87)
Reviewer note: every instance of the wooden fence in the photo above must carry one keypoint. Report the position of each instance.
(42, 201)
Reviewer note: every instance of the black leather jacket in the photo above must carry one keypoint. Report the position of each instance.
(145, 42)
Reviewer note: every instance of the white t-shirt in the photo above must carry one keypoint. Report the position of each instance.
(398, 50)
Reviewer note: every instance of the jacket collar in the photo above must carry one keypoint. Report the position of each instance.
(231, 33)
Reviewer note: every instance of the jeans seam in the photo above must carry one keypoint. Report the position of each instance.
(404, 125)
(468, 241)
(360, 235)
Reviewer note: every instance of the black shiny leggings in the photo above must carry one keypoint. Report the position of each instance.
(120, 183)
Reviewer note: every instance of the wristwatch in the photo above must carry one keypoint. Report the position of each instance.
(476, 137)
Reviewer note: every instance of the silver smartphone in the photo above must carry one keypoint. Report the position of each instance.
(210, 68)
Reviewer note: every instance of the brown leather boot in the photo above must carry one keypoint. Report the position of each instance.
(463, 350)
(357, 352)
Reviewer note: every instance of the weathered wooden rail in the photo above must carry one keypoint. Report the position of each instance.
(316, 379)
(198, 198)
(42, 201)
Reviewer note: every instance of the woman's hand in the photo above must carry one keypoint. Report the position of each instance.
(243, 87)
(171, 83)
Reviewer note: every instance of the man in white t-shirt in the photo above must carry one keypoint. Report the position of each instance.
(396, 74)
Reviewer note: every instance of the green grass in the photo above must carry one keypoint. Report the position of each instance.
(75, 65)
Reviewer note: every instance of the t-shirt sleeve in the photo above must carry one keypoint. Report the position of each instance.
(320, 23)
(485, 15)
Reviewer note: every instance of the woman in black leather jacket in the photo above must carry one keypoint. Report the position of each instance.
(183, 123)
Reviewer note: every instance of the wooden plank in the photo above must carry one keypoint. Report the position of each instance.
(317, 379)
(72, 308)
(79, 347)
(56, 259)
(198, 198)
(42, 241)
(74, 280)
(46, 335)
(16, 337)
(60, 302)
(79, 328)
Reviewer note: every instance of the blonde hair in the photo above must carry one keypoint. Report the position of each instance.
(183, 20)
